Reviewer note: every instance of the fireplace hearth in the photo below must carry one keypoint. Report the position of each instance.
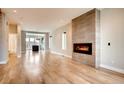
(84, 48)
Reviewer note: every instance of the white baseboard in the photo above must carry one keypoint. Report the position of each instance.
(56, 53)
(112, 68)
(61, 54)
(68, 56)
(3, 62)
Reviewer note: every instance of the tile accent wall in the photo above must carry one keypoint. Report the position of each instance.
(84, 31)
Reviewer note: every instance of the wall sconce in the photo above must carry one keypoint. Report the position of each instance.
(64, 32)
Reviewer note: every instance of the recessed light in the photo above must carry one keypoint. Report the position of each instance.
(14, 11)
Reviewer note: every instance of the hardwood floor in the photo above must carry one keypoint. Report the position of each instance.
(49, 68)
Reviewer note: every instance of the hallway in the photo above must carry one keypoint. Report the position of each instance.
(45, 67)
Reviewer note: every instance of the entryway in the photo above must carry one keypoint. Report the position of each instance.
(35, 41)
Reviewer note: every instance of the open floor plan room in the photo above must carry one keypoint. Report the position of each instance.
(61, 46)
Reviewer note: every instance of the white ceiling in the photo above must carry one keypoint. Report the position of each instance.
(43, 19)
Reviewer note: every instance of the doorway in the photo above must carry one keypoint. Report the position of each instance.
(35, 39)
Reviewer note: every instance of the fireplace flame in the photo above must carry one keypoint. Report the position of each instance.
(83, 48)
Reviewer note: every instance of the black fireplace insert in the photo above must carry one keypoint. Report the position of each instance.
(35, 48)
(85, 48)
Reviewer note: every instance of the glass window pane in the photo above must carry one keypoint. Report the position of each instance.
(31, 39)
(37, 40)
(27, 39)
(64, 40)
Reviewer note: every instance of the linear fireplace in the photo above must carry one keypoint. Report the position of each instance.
(85, 48)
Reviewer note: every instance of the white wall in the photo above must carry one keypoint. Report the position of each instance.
(23, 42)
(3, 39)
(112, 30)
(56, 41)
(19, 41)
(47, 41)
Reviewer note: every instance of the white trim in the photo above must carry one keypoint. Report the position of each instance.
(56, 53)
(61, 54)
(3, 62)
(112, 68)
(67, 56)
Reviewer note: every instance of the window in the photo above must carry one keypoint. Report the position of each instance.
(27, 43)
(64, 40)
(31, 39)
(37, 40)
(27, 39)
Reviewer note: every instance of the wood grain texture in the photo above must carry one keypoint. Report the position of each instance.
(47, 68)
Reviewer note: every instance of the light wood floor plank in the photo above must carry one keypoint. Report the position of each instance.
(47, 68)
